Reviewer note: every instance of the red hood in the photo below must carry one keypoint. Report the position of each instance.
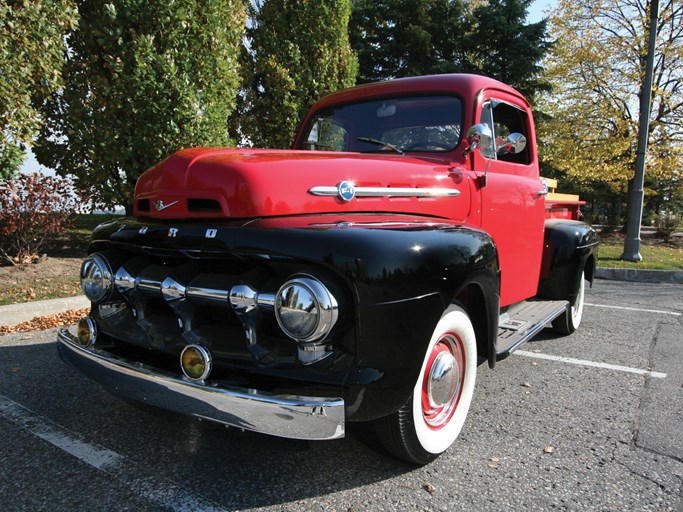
(235, 183)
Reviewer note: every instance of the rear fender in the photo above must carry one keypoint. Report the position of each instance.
(569, 250)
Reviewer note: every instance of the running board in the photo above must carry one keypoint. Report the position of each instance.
(523, 321)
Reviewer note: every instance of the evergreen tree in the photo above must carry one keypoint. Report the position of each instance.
(143, 78)
(504, 47)
(297, 51)
(395, 38)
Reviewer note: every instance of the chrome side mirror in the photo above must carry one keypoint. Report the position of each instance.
(513, 144)
(477, 136)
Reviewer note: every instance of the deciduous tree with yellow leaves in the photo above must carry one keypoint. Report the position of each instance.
(597, 68)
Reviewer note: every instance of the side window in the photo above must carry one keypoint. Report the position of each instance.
(326, 135)
(504, 119)
(489, 150)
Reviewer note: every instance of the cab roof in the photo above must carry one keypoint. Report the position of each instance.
(465, 85)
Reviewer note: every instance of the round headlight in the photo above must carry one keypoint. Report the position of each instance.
(96, 278)
(305, 309)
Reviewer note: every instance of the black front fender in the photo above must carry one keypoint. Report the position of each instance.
(404, 278)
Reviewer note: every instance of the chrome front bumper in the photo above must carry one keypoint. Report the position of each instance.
(296, 417)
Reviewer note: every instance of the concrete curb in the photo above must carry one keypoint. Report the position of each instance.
(640, 275)
(17, 313)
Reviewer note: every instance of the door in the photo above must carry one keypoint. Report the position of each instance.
(513, 205)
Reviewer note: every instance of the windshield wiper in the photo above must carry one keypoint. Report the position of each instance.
(385, 145)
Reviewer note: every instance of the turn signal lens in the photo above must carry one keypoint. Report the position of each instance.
(86, 332)
(195, 362)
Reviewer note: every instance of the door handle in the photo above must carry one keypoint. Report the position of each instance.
(543, 191)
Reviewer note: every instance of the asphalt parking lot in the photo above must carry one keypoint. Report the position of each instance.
(593, 421)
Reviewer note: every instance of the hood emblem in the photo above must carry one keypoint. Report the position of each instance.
(346, 191)
(160, 206)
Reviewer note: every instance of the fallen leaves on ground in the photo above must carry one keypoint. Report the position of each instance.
(40, 323)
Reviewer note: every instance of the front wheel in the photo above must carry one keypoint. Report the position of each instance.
(430, 421)
(571, 319)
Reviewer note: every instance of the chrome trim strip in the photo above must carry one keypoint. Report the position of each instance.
(172, 290)
(388, 192)
(147, 285)
(388, 224)
(295, 417)
(266, 300)
(207, 295)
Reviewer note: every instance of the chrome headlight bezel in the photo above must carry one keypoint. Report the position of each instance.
(97, 280)
(305, 309)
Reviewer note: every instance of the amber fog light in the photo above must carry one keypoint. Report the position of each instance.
(195, 362)
(86, 332)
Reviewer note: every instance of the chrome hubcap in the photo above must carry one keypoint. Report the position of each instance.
(443, 380)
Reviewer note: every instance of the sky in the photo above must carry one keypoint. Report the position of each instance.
(537, 8)
(535, 14)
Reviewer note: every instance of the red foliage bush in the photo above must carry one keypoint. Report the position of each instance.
(34, 209)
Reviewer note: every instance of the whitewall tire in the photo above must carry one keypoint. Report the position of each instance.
(570, 321)
(431, 420)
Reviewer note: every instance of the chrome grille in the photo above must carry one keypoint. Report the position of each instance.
(167, 306)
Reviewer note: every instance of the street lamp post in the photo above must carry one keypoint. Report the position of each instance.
(635, 206)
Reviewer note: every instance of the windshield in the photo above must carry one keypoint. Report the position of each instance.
(422, 124)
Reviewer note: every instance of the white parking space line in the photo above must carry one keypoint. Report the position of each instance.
(164, 493)
(659, 311)
(96, 456)
(593, 364)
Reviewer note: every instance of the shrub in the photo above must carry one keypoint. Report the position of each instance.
(666, 225)
(34, 209)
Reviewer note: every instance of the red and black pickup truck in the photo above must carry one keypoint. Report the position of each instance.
(360, 276)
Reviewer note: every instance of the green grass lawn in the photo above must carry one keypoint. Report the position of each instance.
(656, 256)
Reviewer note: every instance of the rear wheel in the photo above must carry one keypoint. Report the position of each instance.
(570, 321)
(430, 421)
